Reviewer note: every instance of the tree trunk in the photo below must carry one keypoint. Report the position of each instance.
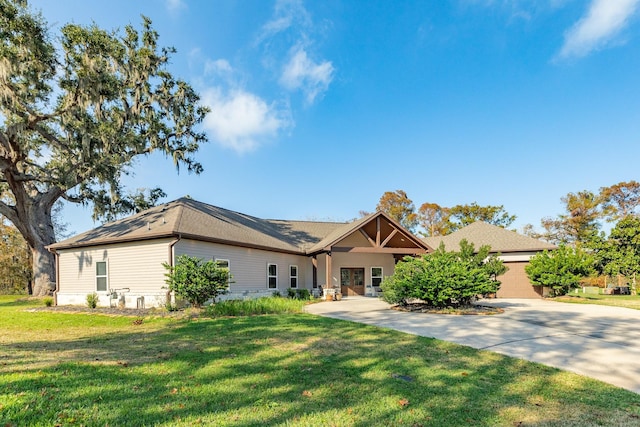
(32, 217)
(44, 266)
(44, 271)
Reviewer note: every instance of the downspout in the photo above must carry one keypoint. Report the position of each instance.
(171, 297)
(171, 249)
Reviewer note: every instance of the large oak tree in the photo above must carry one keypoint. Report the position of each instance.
(75, 113)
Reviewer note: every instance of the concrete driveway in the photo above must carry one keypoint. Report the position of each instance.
(596, 341)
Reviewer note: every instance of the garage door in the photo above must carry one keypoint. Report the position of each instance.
(515, 283)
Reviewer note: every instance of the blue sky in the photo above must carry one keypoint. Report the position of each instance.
(318, 107)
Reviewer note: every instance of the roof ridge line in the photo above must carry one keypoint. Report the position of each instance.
(176, 226)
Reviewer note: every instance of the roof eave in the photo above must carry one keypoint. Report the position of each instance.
(75, 245)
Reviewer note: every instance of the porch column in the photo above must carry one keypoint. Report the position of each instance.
(328, 283)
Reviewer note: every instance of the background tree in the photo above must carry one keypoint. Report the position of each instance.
(433, 219)
(15, 261)
(553, 231)
(580, 222)
(463, 215)
(560, 269)
(620, 252)
(620, 200)
(76, 114)
(399, 206)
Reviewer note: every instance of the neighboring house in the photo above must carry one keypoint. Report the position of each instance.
(122, 260)
(515, 251)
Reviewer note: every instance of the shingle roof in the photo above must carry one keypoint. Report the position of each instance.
(481, 233)
(189, 218)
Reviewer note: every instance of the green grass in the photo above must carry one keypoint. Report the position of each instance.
(288, 369)
(627, 301)
(256, 306)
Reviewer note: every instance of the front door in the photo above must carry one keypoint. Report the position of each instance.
(352, 281)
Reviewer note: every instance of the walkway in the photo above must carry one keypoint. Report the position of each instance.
(592, 340)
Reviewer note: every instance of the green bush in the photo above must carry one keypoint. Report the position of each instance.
(399, 287)
(441, 279)
(92, 300)
(304, 294)
(48, 301)
(301, 294)
(561, 269)
(197, 281)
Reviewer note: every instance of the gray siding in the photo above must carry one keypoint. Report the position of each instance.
(249, 266)
(136, 265)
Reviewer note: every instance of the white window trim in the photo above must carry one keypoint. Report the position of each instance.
(228, 268)
(381, 276)
(106, 276)
(297, 276)
(269, 276)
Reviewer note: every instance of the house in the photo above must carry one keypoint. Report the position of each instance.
(123, 261)
(514, 249)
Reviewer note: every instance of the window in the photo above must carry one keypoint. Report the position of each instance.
(376, 276)
(272, 276)
(101, 276)
(224, 263)
(293, 276)
(315, 277)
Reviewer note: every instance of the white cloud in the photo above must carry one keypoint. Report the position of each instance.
(174, 5)
(603, 21)
(241, 120)
(288, 43)
(218, 67)
(287, 14)
(301, 72)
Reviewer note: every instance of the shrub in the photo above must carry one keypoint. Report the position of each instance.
(48, 301)
(197, 281)
(301, 294)
(304, 294)
(561, 269)
(440, 279)
(92, 300)
(399, 287)
(170, 307)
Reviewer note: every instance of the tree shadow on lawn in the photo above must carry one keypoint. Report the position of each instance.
(284, 369)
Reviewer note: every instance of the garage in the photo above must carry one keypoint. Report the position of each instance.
(513, 248)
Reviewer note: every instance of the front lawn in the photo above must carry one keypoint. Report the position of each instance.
(288, 369)
(628, 301)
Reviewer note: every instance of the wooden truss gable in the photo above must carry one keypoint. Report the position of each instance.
(381, 235)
